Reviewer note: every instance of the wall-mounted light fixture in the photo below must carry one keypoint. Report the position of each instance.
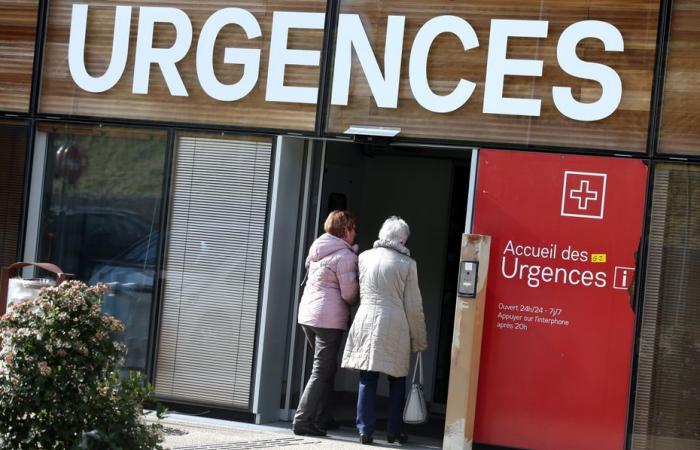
(367, 130)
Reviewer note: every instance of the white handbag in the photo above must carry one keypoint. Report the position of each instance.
(416, 412)
(15, 289)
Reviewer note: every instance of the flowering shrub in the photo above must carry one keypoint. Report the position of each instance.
(59, 382)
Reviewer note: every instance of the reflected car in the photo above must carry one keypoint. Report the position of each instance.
(131, 278)
(77, 239)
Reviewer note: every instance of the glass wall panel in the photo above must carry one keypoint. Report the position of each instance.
(183, 98)
(448, 63)
(100, 216)
(13, 150)
(667, 409)
(681, 102)
(18, 20)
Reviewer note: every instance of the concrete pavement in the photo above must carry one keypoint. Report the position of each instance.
(198, 433)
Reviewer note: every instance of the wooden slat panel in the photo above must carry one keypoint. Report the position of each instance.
(681, 103)
(18, 20)
(626, 129)
(61, 95)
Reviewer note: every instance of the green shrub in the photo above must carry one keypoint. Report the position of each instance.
(59, 377)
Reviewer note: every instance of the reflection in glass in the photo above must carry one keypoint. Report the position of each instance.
(100, 218)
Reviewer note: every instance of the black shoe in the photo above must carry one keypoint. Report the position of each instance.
(366, 439)
(401, 438)
(308, 430)
(329, 425)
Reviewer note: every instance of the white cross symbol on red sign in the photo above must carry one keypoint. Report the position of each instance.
(583, 195)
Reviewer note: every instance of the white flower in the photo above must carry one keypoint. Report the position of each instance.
(44, 368)
(24, 332)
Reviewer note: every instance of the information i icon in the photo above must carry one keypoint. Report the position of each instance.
(623, 277)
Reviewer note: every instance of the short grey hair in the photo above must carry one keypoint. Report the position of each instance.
(395, 229)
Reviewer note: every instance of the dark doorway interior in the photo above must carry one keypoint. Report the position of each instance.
(458, 213)
(428, 187)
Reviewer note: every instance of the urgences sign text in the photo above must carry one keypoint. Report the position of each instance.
(351, 36)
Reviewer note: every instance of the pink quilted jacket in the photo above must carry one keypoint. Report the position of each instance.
(332, 284)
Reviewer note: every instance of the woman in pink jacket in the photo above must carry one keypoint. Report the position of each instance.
(324, 313)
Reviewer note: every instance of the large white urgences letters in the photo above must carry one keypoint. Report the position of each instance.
(351, 36)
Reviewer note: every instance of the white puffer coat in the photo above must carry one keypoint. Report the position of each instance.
(389, 323)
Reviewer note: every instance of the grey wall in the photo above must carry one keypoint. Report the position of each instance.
(278, 290)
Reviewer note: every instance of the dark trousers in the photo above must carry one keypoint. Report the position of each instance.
(313, 405)
(366, 403)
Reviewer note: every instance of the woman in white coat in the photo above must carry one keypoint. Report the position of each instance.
(388, 326)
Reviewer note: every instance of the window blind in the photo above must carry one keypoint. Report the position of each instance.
(667, 406)
(213, 270)
(12, 155)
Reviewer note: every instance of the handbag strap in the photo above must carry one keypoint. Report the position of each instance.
(418, 368)
(12, 270)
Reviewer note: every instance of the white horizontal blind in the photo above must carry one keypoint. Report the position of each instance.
(12, 146)
(213, 266)
(667, 408)
(650, 315)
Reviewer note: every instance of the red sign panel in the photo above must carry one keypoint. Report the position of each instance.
(559, 326)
